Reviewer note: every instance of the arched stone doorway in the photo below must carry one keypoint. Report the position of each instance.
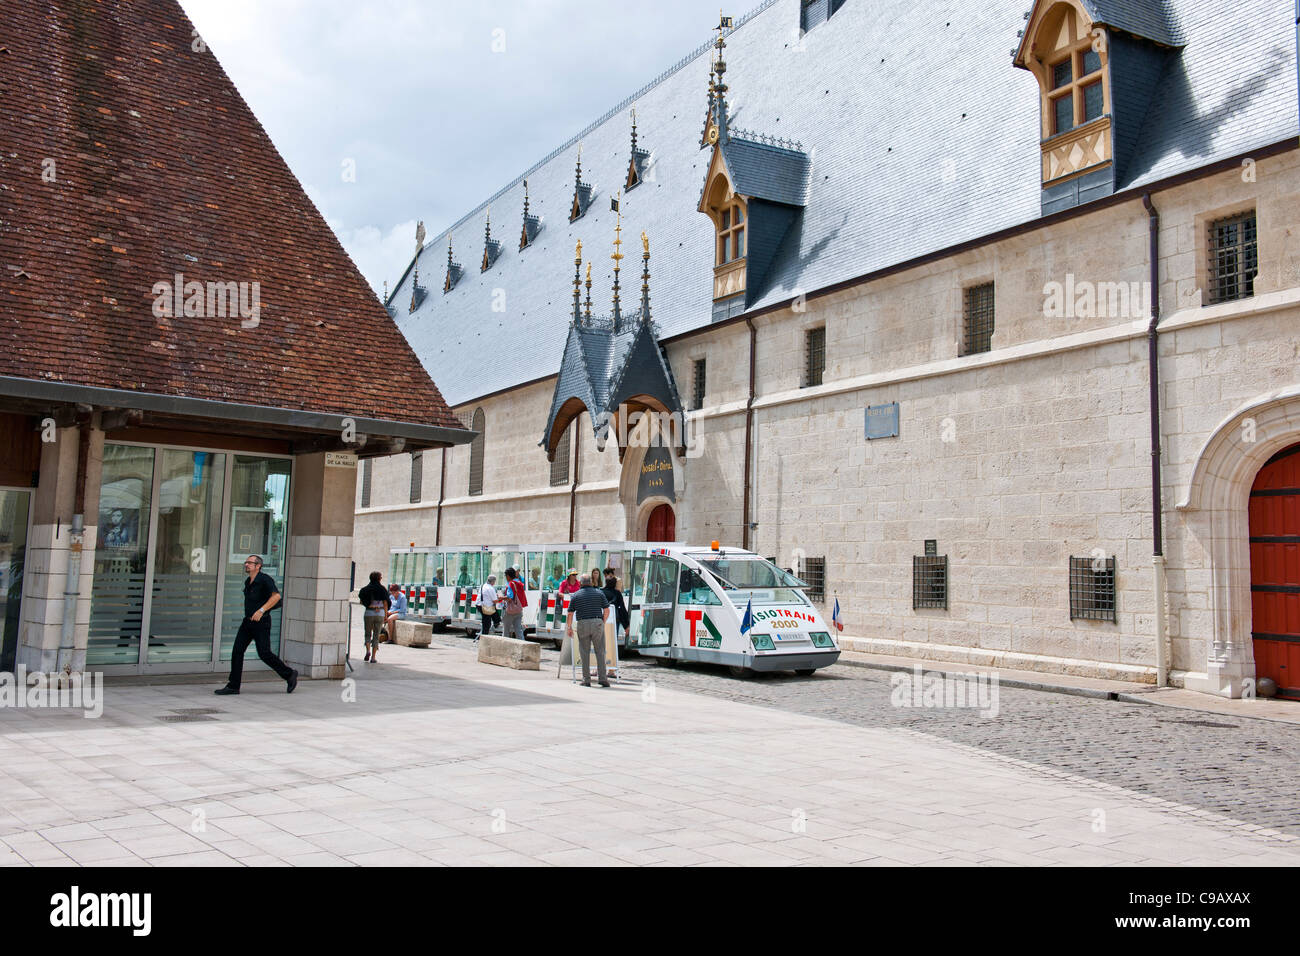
(1275, 571)
(1216, 511)
(661, 525)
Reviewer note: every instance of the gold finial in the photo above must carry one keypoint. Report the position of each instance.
(588, 275)
(618, 231)
(645, 243)
(577, 254)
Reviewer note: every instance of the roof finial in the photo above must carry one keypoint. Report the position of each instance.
(577, 283)
(588, 313)
(720, 66)
(617, 255)
(645, 277)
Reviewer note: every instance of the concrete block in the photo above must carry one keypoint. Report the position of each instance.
(415, 634)
(508, 652)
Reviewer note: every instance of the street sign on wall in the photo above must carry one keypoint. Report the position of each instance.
(882, 421)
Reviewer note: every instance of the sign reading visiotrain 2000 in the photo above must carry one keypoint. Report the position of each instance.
(784, 613)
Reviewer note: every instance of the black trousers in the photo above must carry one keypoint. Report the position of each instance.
(258, 633)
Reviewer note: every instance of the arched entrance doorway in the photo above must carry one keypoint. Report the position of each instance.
(1275, 571)
(662, 524)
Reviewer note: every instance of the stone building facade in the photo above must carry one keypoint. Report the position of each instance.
(1013, 455)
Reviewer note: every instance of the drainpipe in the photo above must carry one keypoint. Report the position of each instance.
(442, 494)
(573, 488)
(72, 582)
(749, 433)
(1153, 377)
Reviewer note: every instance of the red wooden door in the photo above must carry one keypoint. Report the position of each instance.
(1275, 571)
(662, 525)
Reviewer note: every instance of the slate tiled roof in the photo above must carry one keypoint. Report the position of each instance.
(1151, 19)
(159, 167)
(921, 134)
(775, 173)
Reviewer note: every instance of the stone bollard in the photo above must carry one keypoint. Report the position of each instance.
(414, 634)
(508, 652)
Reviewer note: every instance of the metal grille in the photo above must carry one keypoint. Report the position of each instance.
(814, 356)
(365, 483)
(697, 391)
(560, 466)
(930, 581)
(417, 475)
(978, 326)
(476, 449)
(1092, 589)
(1234, 258)
(812, 571)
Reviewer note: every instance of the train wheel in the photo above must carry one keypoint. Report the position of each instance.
(806, 671)
(666, 661)
(741, 672)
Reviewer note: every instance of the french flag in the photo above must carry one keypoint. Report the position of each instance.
(835, 616)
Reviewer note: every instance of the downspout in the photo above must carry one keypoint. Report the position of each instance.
(72, 581)
(1153, 378)
(573, 488)
(749, 434)
(442, 494)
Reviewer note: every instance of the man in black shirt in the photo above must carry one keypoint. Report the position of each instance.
(590, 607)
(260, 596)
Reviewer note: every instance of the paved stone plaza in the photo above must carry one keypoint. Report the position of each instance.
(442, 760)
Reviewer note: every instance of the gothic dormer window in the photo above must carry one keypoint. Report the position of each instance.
(491, 247)
(582, 193)
(1068, 55)
(637, 166)
(454, 270)
(731, 232)
(729, 213)
(532, 224)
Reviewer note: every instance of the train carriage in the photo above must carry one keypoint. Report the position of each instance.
(684, 603)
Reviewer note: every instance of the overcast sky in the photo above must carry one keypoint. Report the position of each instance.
(413, 91)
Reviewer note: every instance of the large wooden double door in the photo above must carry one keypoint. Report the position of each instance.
(1275, 571)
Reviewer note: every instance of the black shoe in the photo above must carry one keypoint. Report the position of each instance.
(604, 683)
(226, 690)
(367, 657)
(586, 683)
(293, 682)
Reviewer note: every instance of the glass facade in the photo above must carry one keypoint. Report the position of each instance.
(14, 509)
(174, 528)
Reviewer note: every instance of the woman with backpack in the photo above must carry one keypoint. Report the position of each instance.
(516, 599)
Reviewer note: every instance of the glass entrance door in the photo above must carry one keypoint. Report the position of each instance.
(258, 521)
(654, 591)
(183, 610)
(118, 589)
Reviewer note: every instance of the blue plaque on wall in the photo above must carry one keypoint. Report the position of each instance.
(882, 421)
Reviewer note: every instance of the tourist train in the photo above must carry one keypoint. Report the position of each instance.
(685, 603)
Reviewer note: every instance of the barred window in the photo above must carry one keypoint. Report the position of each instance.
(476, 448)
(812, 571)
(1234, 258)
(560, 466)
(977, 327)
(365, 482)
(1092, 589)
(814, 356)
(417, 475)
(697, 390)
(930, 581)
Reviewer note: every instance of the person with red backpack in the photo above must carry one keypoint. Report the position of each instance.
(516, 599)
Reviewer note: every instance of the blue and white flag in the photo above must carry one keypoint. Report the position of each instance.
(835, 616)
(747, 621)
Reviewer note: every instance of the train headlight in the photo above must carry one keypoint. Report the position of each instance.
(762, 642)
(821, 639)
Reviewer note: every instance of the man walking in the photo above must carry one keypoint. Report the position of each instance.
(260, 596)
(590, 607)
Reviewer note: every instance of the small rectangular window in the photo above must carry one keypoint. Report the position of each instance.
(1234, 258)
(1062, 74)
(1091, 62)
(814, 356)
(812, 571)
(977, 334)
(560, 466)
(697, 390)
(417, 476)
(365, 483)
(1092, 589)
(1064, 109)
(740, 243)
(930, 581)
(1094, 102)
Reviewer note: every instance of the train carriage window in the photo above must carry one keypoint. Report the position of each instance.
(535, 564)
(695, 590)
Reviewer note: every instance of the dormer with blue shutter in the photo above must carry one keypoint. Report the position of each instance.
(1098, 63)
